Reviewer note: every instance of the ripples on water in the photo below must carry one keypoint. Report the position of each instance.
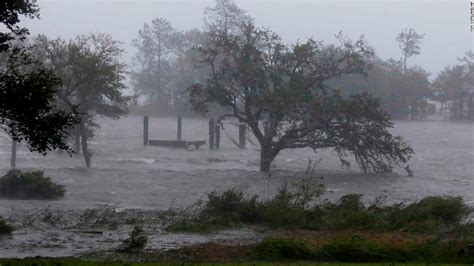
(126, 172)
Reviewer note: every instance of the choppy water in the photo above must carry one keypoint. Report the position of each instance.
(128, 174)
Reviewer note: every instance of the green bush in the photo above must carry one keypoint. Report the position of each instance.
(29, 185)
(5, 228)
(431, 214)
(296, 207)
(274, 249)
(357, 249)
(136, 242)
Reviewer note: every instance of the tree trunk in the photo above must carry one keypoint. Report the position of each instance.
(85, 151)
(77, 139)
(13, 157)
(470, 109)
(266, 159)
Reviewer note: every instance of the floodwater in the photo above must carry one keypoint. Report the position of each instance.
(128, 175)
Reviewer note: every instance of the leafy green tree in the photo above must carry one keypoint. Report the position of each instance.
(27, 89)
(280, 92)
(93, 80)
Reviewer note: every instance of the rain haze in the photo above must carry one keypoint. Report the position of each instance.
(167, 130)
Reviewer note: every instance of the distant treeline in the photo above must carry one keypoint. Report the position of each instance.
(168, 62)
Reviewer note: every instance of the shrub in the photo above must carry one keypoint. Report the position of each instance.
(296, 207)
(5, 228)
(136, 242)
(29, 185)
(357, 249)
(282, 249)
(431, 214)
(349, 212)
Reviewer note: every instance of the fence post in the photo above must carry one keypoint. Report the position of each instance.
(180, 121)
(211, 134)
(218, 137)
(242, 133)
(145, 131)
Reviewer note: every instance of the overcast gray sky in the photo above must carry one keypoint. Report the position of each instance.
(446, 23)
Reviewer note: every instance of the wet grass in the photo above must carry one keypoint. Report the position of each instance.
(361, 249)
(75, 262)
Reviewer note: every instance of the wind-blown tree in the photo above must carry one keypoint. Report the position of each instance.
(157, 44)
(279, 91)
(454, 87)
(409, 42)
(27, 90)
(93, 80)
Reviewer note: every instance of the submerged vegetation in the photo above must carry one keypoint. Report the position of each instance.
(136, 241)
(5, 228)
(305, 227)
(29, 185)
(299, 207)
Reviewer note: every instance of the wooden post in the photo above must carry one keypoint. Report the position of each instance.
(218, 137)
(242, 133)
(13, 158)
(180, 121)
(211, 134)
(145, 131)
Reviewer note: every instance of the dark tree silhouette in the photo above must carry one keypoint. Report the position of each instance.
(27, 90)
(409, 42)
(280, 92)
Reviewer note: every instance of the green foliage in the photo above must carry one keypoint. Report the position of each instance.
(5, 228)
(357, 249)
(430, 214)
(27, 89)
(136, 241)
(29, 185)
(297, 206)
(93, 80)
(285, 88)
(279, 249)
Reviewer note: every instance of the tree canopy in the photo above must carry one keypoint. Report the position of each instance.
(280, 91)
(27, 89)
(93, 80)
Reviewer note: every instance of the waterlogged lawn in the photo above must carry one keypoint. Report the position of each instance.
(69, 262)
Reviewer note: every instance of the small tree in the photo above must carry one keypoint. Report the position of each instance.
(409, 42)
(92, 80)
(280, 92)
